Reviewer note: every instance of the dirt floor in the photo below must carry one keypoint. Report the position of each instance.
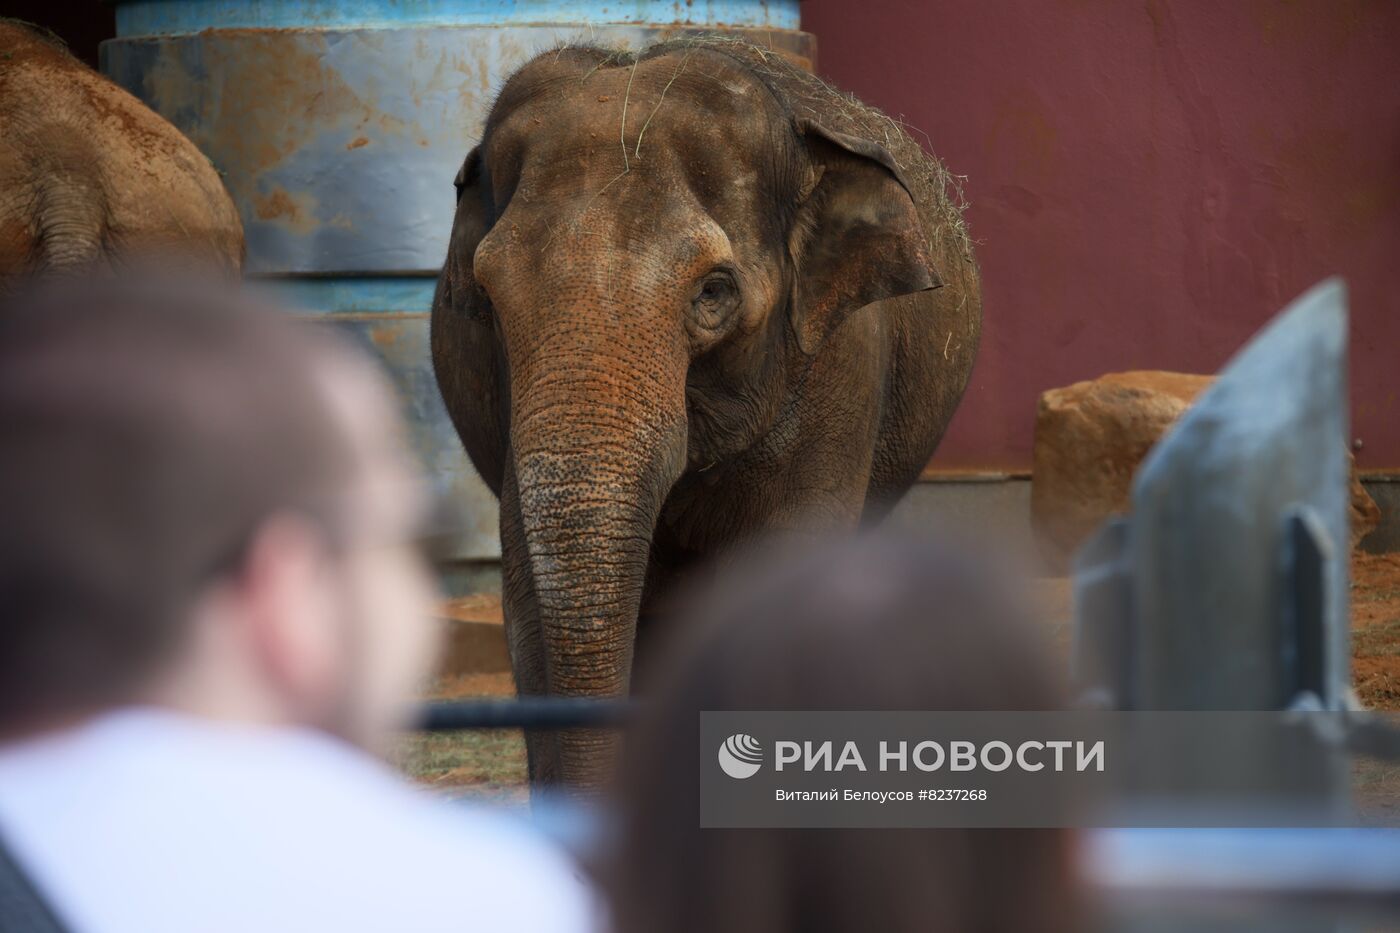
(1375, 629)
(487, 764)
(491, 764)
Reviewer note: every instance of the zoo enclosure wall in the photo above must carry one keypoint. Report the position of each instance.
(1148, 181)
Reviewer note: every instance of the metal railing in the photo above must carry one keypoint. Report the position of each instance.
(528, 713)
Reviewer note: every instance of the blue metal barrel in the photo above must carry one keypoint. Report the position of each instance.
(338, 126)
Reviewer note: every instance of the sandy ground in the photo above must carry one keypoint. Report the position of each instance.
(1375, 629)
(491, 764)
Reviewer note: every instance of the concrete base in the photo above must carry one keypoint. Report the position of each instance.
(993, 510)
(1385, 490)
(469, 577)
(996, 509)
(992, 507)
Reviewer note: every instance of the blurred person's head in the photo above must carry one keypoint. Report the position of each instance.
(204, 504)
(883, 622)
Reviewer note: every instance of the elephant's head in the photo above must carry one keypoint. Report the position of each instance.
(658, 247)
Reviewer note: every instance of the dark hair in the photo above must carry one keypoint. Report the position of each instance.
(874, 623)
(145, 431)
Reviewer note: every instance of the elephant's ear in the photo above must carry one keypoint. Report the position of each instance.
(857, 237)
(465, 356)
(458, 286)
(469, 174)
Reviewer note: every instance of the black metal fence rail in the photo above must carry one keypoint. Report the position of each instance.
(1370, 735)
(528, 713)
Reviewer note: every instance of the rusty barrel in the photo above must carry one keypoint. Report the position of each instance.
(338, 126)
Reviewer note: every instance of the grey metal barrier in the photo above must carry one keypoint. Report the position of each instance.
(1226, 588)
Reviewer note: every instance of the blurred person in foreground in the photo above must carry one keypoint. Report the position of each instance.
(211, 607)
(881, 622)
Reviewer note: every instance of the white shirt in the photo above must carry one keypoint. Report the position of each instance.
(149, 821)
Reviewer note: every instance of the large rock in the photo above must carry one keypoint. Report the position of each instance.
(1090, 438)
(1365, 514)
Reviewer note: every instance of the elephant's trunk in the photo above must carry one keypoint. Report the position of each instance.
(597, 444)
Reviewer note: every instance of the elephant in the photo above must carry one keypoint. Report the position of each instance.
(692, 295)
(91, 176)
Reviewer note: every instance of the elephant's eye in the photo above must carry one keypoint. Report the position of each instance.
(717, 296)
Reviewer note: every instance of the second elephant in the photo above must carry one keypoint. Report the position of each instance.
(90, 176)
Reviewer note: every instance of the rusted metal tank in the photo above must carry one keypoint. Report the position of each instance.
(338, 126)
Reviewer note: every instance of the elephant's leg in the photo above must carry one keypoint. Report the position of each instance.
(522, 629)
(669, 569)
(827, 491)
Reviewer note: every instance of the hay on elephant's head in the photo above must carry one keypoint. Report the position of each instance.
(937, 191)
(806, 95)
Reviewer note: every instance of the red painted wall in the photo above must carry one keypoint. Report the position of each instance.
(1149, 181)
